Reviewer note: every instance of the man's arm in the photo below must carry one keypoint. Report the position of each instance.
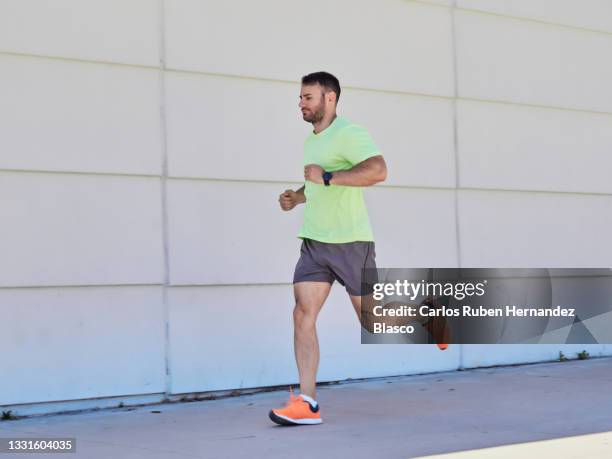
(366, 173)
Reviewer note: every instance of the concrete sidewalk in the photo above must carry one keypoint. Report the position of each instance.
(401, 417)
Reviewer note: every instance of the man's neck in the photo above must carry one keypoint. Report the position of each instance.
(324, 123)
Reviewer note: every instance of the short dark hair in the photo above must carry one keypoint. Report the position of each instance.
(327, 80)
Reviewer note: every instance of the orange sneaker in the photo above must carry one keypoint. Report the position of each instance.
(297, 411)
(437, 326)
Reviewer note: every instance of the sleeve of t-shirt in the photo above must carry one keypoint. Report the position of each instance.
(359, 144)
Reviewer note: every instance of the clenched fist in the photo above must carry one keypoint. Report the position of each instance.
(289, 199)
(314, 173)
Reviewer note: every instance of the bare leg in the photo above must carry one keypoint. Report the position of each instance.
(309, 299)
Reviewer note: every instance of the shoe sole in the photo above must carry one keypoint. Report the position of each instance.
(445, 332)
(433, 324)
(285, 421)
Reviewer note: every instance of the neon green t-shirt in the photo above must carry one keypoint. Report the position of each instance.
(337, 213)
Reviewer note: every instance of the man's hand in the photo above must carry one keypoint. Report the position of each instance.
(314, 173)
(289, 199)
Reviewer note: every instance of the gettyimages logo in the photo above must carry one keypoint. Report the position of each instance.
(413, 290)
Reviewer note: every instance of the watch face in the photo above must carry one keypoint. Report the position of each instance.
(327, 175)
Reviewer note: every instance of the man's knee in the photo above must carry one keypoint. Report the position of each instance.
(303, 316)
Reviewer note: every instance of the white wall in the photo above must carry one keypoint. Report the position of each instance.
(143, 145)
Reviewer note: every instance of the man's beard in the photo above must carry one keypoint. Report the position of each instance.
(315, 116)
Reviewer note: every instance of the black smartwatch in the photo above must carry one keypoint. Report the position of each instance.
(327, 176)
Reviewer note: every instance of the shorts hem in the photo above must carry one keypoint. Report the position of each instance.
(354, 294)
(314, 278)
(336, 240)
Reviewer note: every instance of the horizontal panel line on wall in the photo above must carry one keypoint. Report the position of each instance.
(433, 4)
(59, 286)
(77, 172)
(238, 284)
(288, 284)
(536, 21)
(392, 91)
(273, 80)
(196, 179)
(216, 285)
(521, 104)
(291, 182)
(196, 72)
(77, 60)
(56, 286)
(510, 16)
(225, 285)
(551, 192)
(277, 80)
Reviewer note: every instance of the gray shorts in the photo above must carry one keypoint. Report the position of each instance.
(324, 262)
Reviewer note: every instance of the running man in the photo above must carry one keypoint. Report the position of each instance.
(340, 159)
